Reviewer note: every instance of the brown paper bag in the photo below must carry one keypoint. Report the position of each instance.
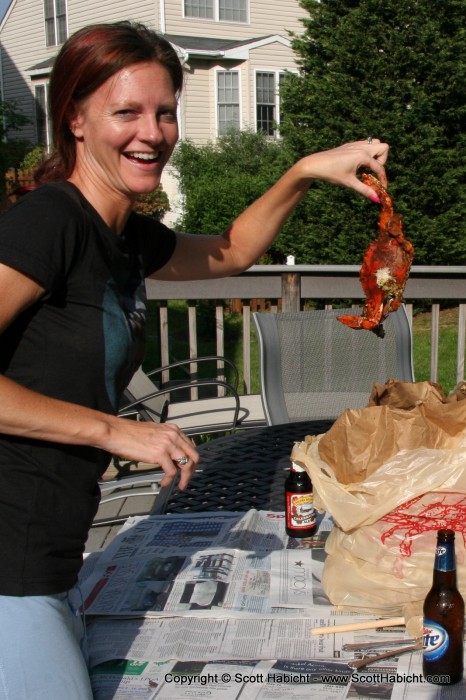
(390, 477)
(401, 416)
(406, 395)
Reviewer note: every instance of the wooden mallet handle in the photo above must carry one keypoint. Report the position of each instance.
(364, 625)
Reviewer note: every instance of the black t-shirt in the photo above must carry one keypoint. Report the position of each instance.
(80, 343)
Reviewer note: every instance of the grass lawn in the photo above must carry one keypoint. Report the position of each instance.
(179, 348)
(447, 347)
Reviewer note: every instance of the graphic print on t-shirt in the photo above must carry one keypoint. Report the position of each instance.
(124, 327)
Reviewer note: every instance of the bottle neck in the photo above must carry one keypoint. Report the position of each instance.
(445, 564)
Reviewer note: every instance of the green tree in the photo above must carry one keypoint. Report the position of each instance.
(32, 159)
(219, 180)
(154, 204)
(394, 69)
(11, 150)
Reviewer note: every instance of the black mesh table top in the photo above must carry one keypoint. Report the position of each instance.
(241, 471)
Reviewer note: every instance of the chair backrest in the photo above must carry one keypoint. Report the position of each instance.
(155, 409)
(312, 366)
(197, 416)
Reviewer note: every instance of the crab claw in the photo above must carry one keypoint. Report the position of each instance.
(351, 321)
(359, 322)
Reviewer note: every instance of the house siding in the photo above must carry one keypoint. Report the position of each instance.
(82, 13)
(274, 17)
(272, 56)
(197, 123)
(279, 16)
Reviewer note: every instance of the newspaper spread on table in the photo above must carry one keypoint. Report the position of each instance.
(226, 564)
(221, 605)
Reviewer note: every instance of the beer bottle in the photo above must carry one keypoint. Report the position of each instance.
(442, 657)
(300, 515)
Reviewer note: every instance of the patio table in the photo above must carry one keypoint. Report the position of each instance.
(247, 470)
(240, 471)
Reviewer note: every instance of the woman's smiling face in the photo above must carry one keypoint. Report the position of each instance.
(126, 130)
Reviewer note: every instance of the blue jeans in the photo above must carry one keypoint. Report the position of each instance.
(42, 649)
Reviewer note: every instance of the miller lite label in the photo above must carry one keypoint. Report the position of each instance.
(436, 640)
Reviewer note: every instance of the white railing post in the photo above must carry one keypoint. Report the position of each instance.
(247, 348)
(220, 342)
(435, 334)
(164, 349)
(193, 352)
(461, 343)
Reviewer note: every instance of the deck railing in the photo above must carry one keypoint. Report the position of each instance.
(289, 287)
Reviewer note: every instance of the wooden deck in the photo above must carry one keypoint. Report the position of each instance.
(135, 501)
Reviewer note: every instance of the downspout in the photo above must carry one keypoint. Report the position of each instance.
(1, 73)
(162, 20)
(2, 93)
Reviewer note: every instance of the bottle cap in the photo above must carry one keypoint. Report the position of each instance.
(296, 467)
(445, 535)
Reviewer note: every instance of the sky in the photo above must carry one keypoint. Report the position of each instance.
(3, 7)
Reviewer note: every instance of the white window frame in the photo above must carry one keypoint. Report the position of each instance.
(57, 41)
(237, 21)
(48, 135)
(200, 17)
(236, 71)
(216, 14)
(278, 74)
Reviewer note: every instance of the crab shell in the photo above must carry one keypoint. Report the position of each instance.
(385, 268)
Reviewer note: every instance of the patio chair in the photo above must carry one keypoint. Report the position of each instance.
(312, 366)
(149, 401)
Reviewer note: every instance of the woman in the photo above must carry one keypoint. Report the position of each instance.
(73, 257)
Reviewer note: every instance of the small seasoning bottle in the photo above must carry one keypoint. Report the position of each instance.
(300, 515)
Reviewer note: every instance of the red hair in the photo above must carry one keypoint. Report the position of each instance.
(89, 58)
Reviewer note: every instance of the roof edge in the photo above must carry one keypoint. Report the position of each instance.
(7, 14)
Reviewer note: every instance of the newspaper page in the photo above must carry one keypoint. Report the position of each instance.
(324, 673)
(261, 680)
(188, 639)
(222, 680)
(212, 565)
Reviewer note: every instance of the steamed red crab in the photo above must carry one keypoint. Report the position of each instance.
(385, 268)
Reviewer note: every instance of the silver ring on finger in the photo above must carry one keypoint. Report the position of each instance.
(369, 139)
(181, 461)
